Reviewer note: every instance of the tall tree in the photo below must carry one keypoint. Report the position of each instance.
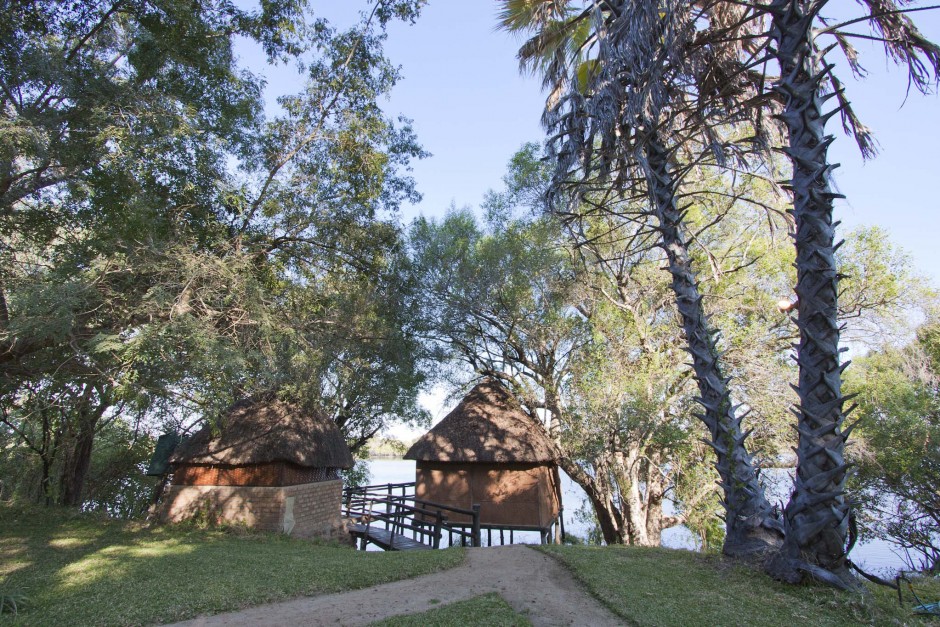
(586, 335)
(817, 515)
(162, 243)
(632, 89)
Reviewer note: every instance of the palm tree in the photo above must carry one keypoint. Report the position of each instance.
(817, 516)
(639, 53)
(620, 75)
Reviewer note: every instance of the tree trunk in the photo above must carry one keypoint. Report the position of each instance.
(655, 493)
(816, 518)
(47, 453)
(752, 526)
(631, 497)
(600, 500)
(78, 456)
(609, 519)
(75, 468)
(623, 520)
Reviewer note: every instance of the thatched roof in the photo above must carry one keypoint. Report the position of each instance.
(487, 426)
(257, 432)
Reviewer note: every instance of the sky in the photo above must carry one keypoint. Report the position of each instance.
(472, 110)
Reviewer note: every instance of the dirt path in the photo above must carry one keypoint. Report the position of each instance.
(532, 583)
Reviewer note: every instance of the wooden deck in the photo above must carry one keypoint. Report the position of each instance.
(390, 517)
(386, 539)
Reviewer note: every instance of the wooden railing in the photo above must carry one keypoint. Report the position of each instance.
(406, 520)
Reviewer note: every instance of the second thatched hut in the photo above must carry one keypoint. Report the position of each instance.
(488, 451)
(267, 465)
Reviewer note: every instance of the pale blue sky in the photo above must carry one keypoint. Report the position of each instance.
(472, 110)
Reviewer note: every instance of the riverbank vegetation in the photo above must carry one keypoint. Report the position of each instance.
(388, 448)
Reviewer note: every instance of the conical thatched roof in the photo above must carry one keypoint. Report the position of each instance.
(487, 426)
(257, 432)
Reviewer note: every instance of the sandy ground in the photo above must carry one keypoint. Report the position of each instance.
(532, 583)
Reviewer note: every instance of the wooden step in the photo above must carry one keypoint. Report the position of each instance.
(384, 539)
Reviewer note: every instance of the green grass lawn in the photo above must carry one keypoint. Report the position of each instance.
(488, 610)
(63, 568)
(668, 587)
(84, 570)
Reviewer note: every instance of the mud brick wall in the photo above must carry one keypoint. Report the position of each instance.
(305, 510)
(316, 507)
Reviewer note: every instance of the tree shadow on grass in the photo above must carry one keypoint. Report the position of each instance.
(89, 571)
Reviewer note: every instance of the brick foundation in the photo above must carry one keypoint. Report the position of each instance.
(306, 510)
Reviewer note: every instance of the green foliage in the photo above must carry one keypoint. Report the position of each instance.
(13, 602)
(358, 475)
(388, 447)
(881, 291)
(115, 483)
(896, 449)
(166, 248)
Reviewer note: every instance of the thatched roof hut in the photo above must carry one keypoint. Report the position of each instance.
(488, 451)
(487, 426)
(265, 464)
(255, 432)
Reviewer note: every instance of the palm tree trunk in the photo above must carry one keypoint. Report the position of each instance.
(751, 524)
(816, 518)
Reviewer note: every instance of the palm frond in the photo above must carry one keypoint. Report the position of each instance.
(518, 16)
(905, 44)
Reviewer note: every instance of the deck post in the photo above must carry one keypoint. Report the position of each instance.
(475, 541)
(438, 526)
(365, 536)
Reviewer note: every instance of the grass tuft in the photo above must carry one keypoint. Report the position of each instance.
(13, 602)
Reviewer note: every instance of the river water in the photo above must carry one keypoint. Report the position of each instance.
(877, 556)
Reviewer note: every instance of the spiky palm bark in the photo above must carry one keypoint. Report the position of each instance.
(751, 524)
(640, 52)
(816, 518)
